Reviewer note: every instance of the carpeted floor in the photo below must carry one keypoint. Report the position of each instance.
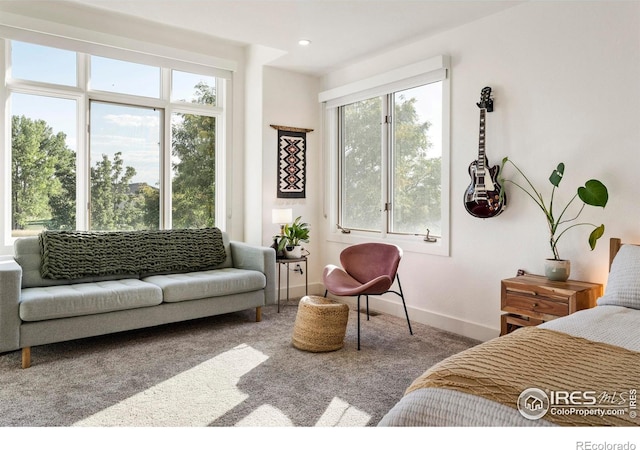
(222, 371)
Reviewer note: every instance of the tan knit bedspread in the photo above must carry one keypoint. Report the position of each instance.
(531, 357)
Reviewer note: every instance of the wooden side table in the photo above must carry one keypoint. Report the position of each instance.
(530, 300)
(286, 262)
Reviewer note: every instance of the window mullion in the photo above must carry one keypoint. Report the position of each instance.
(165, 151)
(82, 155)
(341, 162)
(385, 201)
(166, 221)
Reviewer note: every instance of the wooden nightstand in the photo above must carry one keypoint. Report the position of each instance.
(529, 300)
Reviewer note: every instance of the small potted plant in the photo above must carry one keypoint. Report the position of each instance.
(292, 236)
(593, 193)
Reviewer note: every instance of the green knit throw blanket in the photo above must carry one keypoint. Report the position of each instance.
(80, 254)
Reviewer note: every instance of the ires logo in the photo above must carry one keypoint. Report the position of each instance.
(534, 403)
(573, 398)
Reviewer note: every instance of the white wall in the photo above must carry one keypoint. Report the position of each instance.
(252, 182)
(565, 77)
(290, 99)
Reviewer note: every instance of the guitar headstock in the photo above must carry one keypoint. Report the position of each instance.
(485, 99)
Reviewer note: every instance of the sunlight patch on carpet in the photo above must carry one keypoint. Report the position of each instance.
(196, 397)
(266, 416)
(341, 414)
(338, 414)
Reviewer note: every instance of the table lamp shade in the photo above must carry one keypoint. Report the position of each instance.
(281, 216)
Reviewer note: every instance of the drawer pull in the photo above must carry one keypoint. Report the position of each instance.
(535, 305)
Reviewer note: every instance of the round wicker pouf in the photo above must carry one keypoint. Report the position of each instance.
(320, 325)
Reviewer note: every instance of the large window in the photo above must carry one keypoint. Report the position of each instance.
(107, 144)
(390, 154)
(388, 157)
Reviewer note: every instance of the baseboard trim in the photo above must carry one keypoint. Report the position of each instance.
(440, 321)
(394, 308)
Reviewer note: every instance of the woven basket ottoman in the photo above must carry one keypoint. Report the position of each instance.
(321, 324)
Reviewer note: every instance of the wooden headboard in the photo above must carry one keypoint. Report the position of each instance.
(614, 247)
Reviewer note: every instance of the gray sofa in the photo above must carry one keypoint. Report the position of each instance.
(37, 309)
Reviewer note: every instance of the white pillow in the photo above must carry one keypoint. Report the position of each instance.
(623, 286)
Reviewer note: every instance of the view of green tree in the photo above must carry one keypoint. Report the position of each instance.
(63, 204)
(44, 179)
(416, 176)
(194, 166)
(150, 198)
(41, 168)
(362, 164)
(112, 205)
(416, 204)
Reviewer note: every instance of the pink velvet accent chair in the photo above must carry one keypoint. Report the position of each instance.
(367, 269)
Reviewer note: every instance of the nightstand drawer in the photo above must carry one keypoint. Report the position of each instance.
(523, 303)
(510, 322)
(530, 300)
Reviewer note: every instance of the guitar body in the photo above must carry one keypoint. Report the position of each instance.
(484, 197)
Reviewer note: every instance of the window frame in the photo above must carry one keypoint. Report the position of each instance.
(424, 72)
(83, 95)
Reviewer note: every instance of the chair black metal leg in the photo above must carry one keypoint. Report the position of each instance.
(325, 292)
(404, 304)
(358, 312)
(367, 307)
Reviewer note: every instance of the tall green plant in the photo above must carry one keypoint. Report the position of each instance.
(593, 193)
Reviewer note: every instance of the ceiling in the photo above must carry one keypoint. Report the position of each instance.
(341, 31)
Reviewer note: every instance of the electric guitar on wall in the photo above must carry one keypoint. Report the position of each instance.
(482, 198)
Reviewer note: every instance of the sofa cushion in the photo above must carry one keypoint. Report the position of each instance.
(55, 302)
(210, 283)
(77, 254)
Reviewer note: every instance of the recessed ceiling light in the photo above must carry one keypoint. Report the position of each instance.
(304, 42)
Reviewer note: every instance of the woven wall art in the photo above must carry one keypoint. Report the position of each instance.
(292, 161)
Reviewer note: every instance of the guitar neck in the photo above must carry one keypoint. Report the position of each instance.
(481, 150)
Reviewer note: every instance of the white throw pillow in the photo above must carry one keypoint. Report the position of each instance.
(623, 286)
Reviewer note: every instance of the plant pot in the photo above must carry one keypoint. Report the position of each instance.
(557, 269)
(293, 252)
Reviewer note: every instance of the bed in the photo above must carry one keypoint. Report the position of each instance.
(579, 370)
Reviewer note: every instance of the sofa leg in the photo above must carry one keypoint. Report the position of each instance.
(259, 314)
(26, 357)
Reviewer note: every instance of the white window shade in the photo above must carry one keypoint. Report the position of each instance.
(424, 72)
(111, 46)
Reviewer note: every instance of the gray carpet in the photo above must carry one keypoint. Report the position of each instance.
(221, 371)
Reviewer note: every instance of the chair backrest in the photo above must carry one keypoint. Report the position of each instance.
(364, 262)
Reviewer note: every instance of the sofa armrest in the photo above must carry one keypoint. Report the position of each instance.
(262, 259)
(10, 285)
